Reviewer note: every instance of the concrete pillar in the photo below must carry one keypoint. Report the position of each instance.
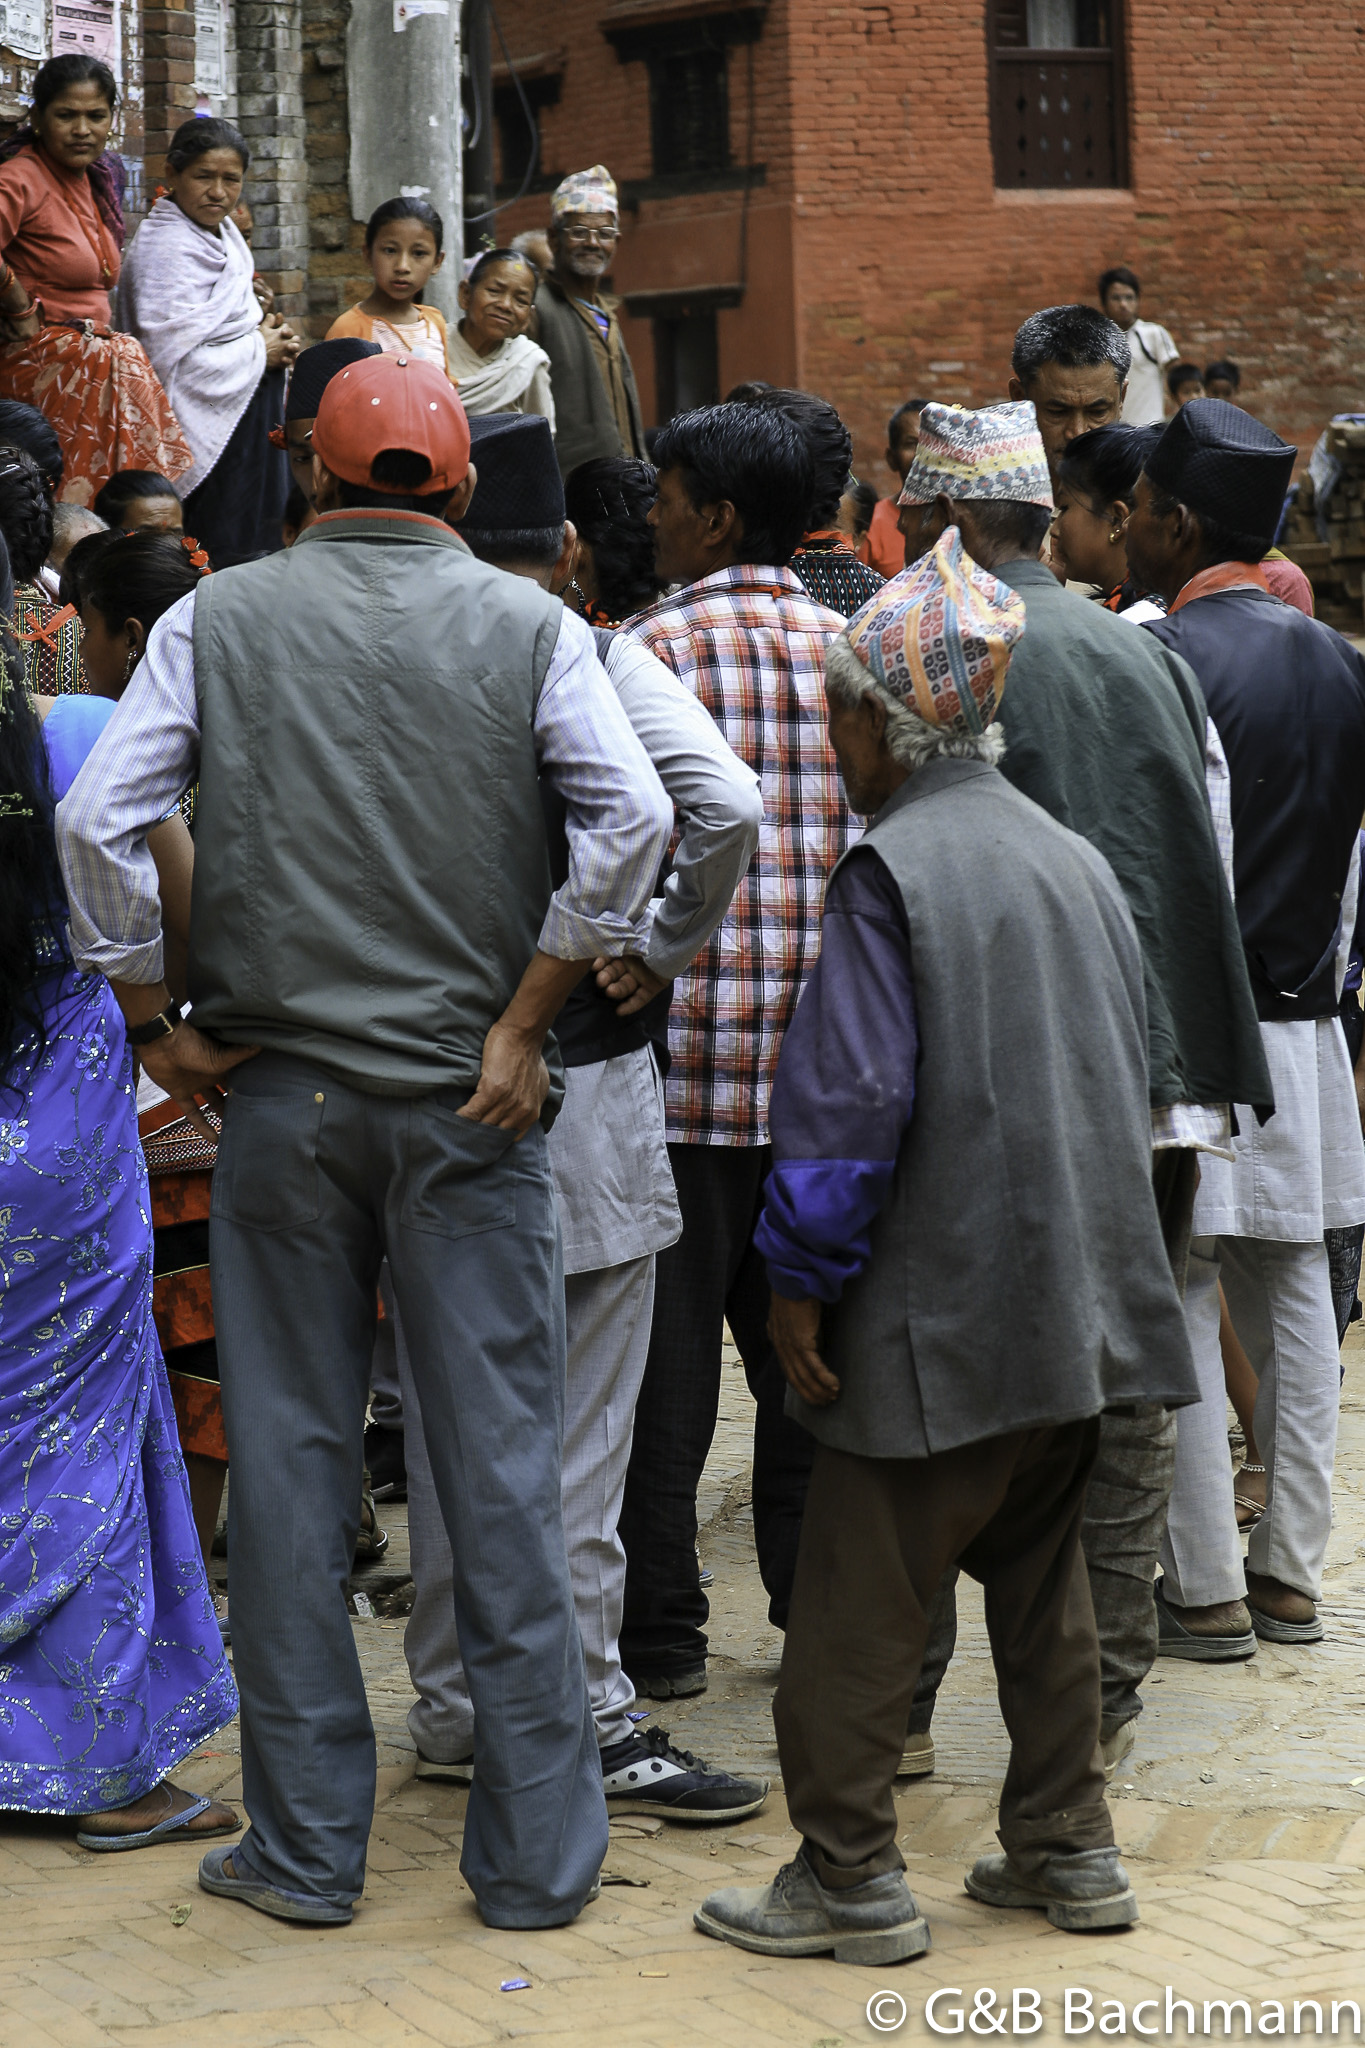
(403, 94)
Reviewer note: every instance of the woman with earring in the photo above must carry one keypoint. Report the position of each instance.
(61, 234)
(1094, 496)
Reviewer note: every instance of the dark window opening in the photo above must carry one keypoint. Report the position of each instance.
(516, 136)
(687, 64)
(689, 111)
(686, 362)
(1058, 103)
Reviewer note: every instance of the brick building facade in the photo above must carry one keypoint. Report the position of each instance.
(868, 235)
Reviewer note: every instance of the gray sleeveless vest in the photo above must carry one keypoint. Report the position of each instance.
(371, 871)
(1018, 1275)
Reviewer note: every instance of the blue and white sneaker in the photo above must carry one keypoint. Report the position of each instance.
(644, 1773)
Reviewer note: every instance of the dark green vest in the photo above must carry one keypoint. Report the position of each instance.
(1018, 1276)
(371, 872)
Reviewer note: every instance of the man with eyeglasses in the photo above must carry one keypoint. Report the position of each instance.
(597, 407)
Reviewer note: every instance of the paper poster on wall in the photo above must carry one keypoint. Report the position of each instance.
(23, 27)
(405, 11)
(84, 25)
(210, 49)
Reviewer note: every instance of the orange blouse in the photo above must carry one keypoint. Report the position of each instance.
(54, 239)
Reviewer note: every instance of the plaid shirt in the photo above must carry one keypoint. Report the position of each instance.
(750, 644)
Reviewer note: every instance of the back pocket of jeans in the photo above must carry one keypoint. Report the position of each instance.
(460, 1179)
(267, 1172)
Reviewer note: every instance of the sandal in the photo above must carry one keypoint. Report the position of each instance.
(1254, 1509)
(372, 1541)
(174, 1823)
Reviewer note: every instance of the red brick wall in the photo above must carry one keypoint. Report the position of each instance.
(883, 260)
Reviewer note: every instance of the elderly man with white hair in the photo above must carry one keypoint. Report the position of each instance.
(597, 407)
(967, 1269)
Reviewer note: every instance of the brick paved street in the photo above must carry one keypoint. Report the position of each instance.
(1242, 1814)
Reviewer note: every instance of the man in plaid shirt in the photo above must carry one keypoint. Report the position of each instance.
(735, 488)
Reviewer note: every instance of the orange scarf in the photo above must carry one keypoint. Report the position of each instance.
(1223, 576)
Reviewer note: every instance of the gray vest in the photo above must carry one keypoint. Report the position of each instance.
(370, 871)
(1018, 1276)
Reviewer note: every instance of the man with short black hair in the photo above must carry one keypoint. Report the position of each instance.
(825, 560)
(734, 484)
(1073, 364)
(1288, 697)
(1144, 401)
(613, 1187)
(1112, 742)
(368, 715)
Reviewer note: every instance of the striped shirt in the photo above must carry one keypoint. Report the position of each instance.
(618, 816)
(751, 645)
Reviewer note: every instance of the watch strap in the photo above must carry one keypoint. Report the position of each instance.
(160, 1026)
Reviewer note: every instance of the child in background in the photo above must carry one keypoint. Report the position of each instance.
(856, 508)
(1223, 380)
(404, 241)
(1184, 382)
(884, 547)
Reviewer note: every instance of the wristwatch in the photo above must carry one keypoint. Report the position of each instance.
(160, 1026)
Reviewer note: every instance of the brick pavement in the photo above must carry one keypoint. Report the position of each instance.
(1242, 1814)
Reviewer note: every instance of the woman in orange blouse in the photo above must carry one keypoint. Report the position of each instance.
(61, 231)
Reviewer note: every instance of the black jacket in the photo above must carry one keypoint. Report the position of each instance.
(1287, 695)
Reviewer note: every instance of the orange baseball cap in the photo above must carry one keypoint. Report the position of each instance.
(392, 402)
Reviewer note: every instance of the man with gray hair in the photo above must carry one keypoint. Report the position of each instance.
(967, 1269)
(1107, 730)
(1073, 363)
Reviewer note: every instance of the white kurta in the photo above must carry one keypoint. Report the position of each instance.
(1303, 1172)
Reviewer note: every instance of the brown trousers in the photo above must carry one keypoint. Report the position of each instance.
(879, 1533)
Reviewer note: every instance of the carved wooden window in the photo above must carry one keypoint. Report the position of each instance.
(1059, 113)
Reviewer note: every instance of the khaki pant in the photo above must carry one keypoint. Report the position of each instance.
(879, 1534)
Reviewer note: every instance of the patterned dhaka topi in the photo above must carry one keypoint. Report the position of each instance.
(591, 191)
(939, 636)
(995, 453)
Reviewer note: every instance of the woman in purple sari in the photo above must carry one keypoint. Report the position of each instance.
(112, 1667)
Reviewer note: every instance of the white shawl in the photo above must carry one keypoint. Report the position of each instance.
(186, 295)
(515, 378)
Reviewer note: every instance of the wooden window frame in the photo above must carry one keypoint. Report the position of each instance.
(1005, 62)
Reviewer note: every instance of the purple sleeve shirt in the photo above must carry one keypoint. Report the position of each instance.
(844, 1090)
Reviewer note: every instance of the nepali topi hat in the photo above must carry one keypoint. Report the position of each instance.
(388, 403)
(520, 488)
(591, 191)
(939, 636)
(994, 453)
(315, 369)
(1222, 463)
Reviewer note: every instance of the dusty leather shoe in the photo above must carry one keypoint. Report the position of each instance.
(877, 1922)
(1084, 1892)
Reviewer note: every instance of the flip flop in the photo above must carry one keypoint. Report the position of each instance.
(1272, 1631)
(174, 1823)
(268, 1898)
(1175, 1640)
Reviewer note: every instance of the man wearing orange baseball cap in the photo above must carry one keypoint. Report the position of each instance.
(376, 952)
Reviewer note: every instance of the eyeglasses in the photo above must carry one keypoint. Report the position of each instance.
(582, 236)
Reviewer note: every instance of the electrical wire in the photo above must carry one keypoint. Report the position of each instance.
(534, 156)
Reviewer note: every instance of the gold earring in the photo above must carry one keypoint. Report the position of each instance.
(1115, 536)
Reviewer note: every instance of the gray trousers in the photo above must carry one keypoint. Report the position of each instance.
(608, 1321)
(315, 1183)
(1280, 1299)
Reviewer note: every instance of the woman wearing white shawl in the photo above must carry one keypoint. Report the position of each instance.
(497, 368)
(186, 293)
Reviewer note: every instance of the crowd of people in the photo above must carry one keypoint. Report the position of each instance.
(572, 901)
